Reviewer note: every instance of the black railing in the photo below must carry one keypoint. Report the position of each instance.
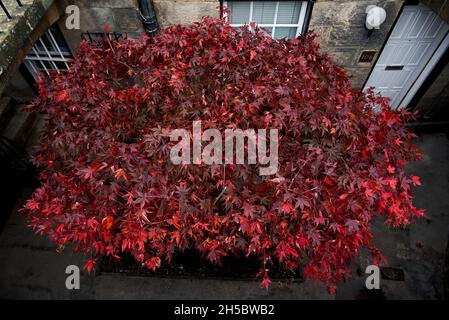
(101, 36)
(6, 10)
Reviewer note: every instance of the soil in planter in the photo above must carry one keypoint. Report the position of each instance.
(189, 263)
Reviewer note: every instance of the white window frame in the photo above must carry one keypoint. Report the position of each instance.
(299, 26)
(37, 56)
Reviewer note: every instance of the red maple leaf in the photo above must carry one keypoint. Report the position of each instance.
(415, 180)
(90, 265)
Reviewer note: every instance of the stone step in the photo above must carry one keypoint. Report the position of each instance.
(14, 10)
(7, 24)
(16, 31)
(20, 127)
(6, 111)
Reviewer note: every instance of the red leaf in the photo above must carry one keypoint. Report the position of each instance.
(332, 289)
(369, 193)
(287, 207)
(90, 265)
(107, 222)
(265, 283)
(252, 55)
(153, 263)
(415, 180)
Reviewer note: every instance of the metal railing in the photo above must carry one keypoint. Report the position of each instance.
(95, 37)
(7, 11)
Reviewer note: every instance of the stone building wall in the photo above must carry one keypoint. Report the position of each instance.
(18, 38)
(339, 23)
(171, 12)
(121, 16)
(341, 26)
(13, 83)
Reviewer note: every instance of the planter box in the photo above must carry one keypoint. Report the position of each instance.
(190, 264)
(190, 277)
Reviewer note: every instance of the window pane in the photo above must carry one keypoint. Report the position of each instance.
(263, 11)
(288, 12)
(48, 65)
(59, 38)
(285, 32)
(239, 12)
(61, 65)
(36, 66)
(47, 43)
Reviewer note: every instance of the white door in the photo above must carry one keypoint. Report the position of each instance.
(417, 35)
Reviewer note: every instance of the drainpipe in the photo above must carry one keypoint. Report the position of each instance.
(148, 16)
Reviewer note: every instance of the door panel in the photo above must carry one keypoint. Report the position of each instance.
(412, 43)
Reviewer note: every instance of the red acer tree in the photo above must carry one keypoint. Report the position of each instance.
(109, 187)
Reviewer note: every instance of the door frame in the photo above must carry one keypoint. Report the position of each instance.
(432, 74)
(426, 77)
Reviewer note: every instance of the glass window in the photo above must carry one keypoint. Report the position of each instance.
(264, 12)
(240, 12)
(284, 19)
(49, 53)
(285, 32)
(288, 12)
